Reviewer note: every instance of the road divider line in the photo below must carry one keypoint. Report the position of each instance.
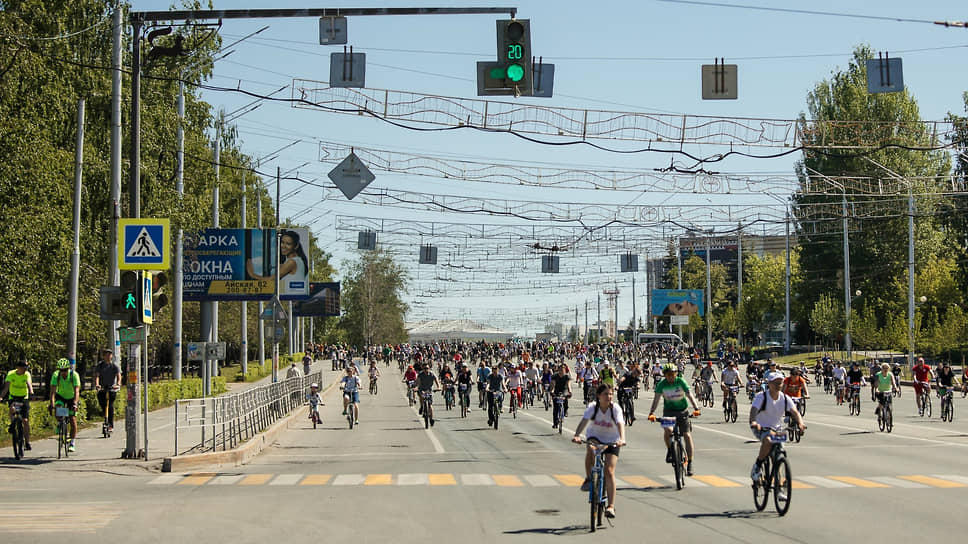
(820, 481)
(897, 482)
(540, 480)
(715, 481)
(933, 482)
(642, 482)
(569, 480)
(349, 479)
(286, 479)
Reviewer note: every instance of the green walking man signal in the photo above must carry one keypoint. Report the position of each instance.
(131, 303)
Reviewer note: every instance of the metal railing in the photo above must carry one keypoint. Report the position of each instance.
(206, 424)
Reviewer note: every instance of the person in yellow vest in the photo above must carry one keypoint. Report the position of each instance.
(19, 387)
(65, 389)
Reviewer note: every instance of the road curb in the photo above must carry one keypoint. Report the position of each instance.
(240, 455)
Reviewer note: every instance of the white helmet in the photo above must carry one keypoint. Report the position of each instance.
(314, 386)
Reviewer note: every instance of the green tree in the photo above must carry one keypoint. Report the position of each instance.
(371, 296)
(825, 318)
(764, 289)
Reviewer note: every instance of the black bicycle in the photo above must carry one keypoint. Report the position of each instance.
(885, 416)
(854, 399)
(17, 428)
(676, 446)
(627, 396)
(730, 406)
(558, 415)
(465, 398)
(494, 408)
(774, 475)
(947, 404)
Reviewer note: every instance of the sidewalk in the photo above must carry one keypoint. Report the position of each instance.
(97, 454)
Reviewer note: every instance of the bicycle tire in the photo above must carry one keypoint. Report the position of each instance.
(951, 410)
(679, 464)
(802, 407)
(881, 423)
(889, 419)
(18, 438)
(712, 397)
(734, 411)
(594, 501)
(727, 412)
(927, 407)
(761, 490)
(426, 416)
(782, 481)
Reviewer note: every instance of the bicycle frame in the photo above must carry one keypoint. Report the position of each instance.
(597, 496)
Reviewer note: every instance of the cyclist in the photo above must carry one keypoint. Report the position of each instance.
(707, 374)
(307, 362)
(515, 382)
(66, 390)
(795, 386)
(483, 371)
(676, 397)
(946, 380)
(884, 385)
(350, 384)
(606, 424)
(426, 383)
(964, 382)
(495, 388)
(19, 386)
(607, 374)
(315, 400)
(729, 379)
(532, 374)
(374, 373)
(107, 382)
(766, 415)
(628, 382)
(838, 375)
(561, 385)
(922, 375)
(465, 380)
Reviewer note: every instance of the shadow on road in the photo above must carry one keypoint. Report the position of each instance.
(731, 514)
(560, 531)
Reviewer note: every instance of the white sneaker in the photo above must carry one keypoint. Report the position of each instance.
(781, 496)
(756, 472)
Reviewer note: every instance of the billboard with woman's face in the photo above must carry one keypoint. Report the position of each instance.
(677, 302)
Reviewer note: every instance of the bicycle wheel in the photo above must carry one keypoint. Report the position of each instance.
(727, 411)
(514, 407)
(546, 401)
(951, 409)
(734, 410)
(315, 419)
(880, 419)
(350, 417)
(761, 490)
(426, 415)
(594, 501)
(375, 388)
(889, 418)
(927, 404)
(712, 397)
(18, 438)
(802, 407)
(679, 464)
(782, 486)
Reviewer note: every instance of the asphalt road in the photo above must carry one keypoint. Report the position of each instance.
(391, 480)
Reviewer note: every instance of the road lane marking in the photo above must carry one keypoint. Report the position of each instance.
(859, 482)
(286, 479)
(891, 435)
(412, 479)
(690, 482)
(933, 482)
(642, 481)
(715, 481)
(540, 480)
(349, 479)
(820, 481)
(959, 479)
(316, 479)
(442, 479)
(438, 447)
(546, 421)
(897, 482)
(507, 480)
(227, 479)
(570, 480)
(378, 479)
(51, 517)
(196, 479)
(256, 479)
(166, 479)
(476, 479)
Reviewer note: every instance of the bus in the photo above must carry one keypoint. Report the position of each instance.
(661, 337)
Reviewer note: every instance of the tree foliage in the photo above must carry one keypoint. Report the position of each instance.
(372, 299)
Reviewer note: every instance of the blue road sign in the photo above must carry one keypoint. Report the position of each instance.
(144, 244)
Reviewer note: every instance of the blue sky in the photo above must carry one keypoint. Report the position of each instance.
(623, 56)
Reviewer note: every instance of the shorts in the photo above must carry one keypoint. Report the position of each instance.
(69, 403)
(354, 396)
(760, 434)
(430, 397)
(611, 450)
(883, 397)
(918, 388)
(684, 426)
(25, 409)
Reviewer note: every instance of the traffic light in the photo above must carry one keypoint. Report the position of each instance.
(112, 307)
(131, 297)
(514, 54)
(158, 299)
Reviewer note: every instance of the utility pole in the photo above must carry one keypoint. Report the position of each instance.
(179, 294)
(245, 306)
(586, 323)
(262, 329)
(846, 280)
(786, 336)
(113, 272)
(709, 300)
(76, 254)
(634, 332)
(739, 287)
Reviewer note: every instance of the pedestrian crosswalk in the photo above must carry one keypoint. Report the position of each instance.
(913, 481)
(56, 517)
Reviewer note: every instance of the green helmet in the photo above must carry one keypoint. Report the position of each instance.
(63, 364)
(669, 367)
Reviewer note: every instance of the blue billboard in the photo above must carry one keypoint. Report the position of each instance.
(240, 264)
(677, 302)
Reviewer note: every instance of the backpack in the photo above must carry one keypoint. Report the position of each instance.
(611, 411)
(786, 402)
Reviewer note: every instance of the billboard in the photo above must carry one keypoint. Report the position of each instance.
(239, 264)
(677, 302)
(323, 301)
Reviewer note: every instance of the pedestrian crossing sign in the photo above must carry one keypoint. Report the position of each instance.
(144, 244)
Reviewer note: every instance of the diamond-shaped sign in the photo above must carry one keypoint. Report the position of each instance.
(351, 176)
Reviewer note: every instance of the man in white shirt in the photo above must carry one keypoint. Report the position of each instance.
(766, 416)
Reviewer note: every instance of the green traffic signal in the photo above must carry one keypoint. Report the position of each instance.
(130, 303)
(515, 72)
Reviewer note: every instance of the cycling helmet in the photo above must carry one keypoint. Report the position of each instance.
(314, 386)
(669, 367)
(709, 363)
(63, 364)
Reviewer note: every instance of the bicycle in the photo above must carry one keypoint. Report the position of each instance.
(373, 387)
(677, 447)
(558, 415)
(885, 416)
(448, 396)
(854, 399)
(17, 429)
(597, 494)
(513, 405)
(947, 405)
(839, 389)
(494, 408)
(792, 430)
(828, 386)
(774, 473)
(628, 404)
(314, 414)
(411, 399)
(465, 399)
(546, 395)
(925, 399)
(63, 429)
(425, 398)
(731, 407)
(352, 413)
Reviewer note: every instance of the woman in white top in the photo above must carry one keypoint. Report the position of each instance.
(605, 423)
(766, 415)
(293, 264)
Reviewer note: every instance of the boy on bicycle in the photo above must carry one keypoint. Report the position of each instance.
(766, 416)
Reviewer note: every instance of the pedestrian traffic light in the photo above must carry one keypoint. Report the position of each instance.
(158, 299)
(131, 297)
(514, 53)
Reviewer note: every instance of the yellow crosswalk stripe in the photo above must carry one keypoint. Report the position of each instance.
(859, 482)
(507, 480)
(716, 481)
(378, 479)
(934, 482)
(256, 479)
(797, 484)
(641, 481)
(316, 479)
(571, 480)
(442, 479)
(196, 479)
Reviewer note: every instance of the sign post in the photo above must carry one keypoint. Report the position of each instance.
(131, 408)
